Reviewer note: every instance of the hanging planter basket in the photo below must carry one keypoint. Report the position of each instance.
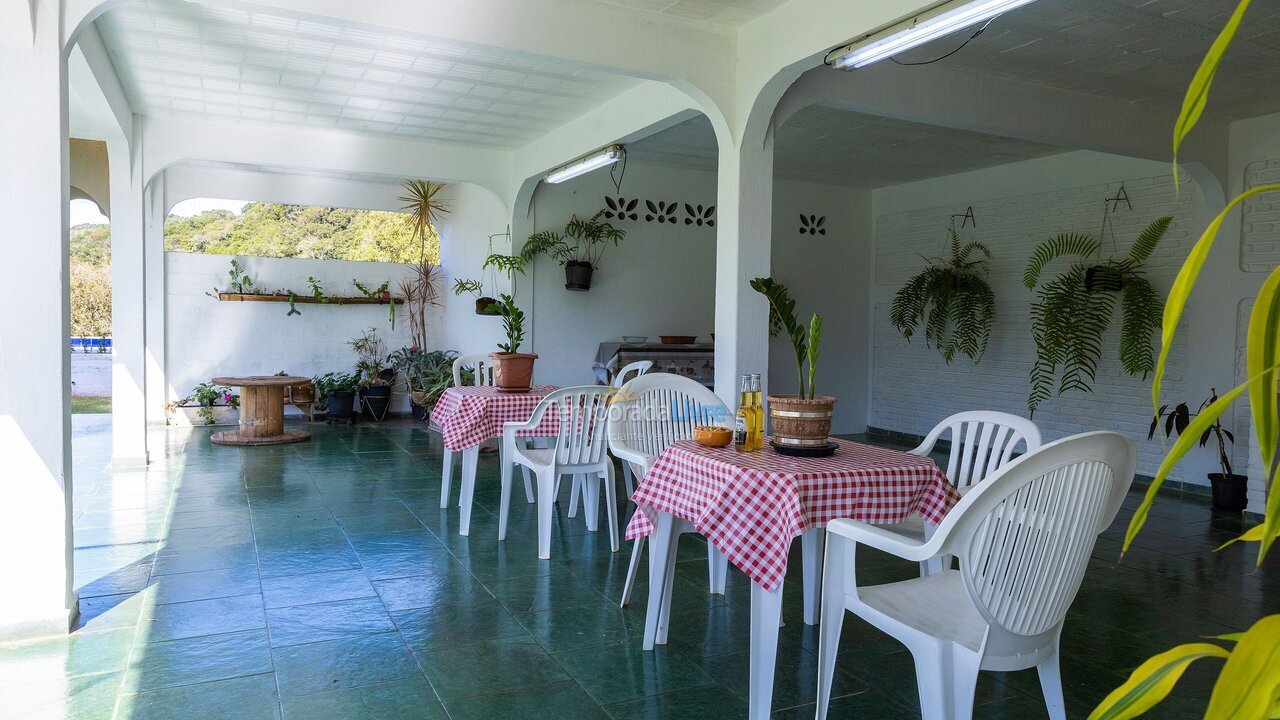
(577, 276)
(483, 304)
(1103, 278)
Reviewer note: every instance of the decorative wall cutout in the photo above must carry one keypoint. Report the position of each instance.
(663, 212)
(620, 208)
(700, 215)
(813, 224)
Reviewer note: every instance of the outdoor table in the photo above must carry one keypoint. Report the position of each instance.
(261, 411)
(467, 416)
(751, 506)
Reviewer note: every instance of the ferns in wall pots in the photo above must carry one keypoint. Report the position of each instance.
(1073, 311)
(953, 301)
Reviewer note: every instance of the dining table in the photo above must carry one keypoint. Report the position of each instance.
(468, 416)
(261, 411)
(752, 505)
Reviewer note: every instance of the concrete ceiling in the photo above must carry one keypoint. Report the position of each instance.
(831, 145)
(261, 169)
(728, 12)
(182, 59)
(1140, 51)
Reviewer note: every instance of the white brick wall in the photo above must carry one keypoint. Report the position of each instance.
(913, 388)
(1260, 219)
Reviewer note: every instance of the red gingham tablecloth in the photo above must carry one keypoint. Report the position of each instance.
(467, 416)
(752, 505)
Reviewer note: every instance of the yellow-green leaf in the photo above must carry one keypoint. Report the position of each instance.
(1253, 534)
(1197, 96)
(1263, 351)
(1152, 681)
(1186, 280)
(1247, 686)
(1187, 440)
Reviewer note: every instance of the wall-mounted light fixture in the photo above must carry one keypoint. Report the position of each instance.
(932, 24)
(587, 163)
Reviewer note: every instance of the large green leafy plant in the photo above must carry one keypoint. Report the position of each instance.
(1073, 311)
(952, 299)
(782, 318)
(426, 374)
(512, 322)
(1248, 685)
(583, 241)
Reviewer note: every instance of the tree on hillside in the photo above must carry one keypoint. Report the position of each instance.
(90, 300)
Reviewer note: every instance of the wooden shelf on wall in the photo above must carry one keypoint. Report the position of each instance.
(306, 299)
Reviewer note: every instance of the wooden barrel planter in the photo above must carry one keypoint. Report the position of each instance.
(801, 422)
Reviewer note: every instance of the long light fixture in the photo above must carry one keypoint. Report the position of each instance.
(925, 27)
(587, 163)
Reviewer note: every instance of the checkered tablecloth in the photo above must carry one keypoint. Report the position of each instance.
(467, 416)
(752, 505)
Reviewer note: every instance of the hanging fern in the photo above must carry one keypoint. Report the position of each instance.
(1073, 311)
(953, 301)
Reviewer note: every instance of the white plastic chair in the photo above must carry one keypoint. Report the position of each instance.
(637, 369)
(648, 414)
(482, 376)
(1023, 537)
(982, 442)
(580, 450)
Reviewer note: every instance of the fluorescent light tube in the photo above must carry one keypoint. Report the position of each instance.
(586, 164)
(926, 27)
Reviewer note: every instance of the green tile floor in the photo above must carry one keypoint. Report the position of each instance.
(322, 580)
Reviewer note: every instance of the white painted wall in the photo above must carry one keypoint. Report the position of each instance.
(659, 281)
(828, 274)
(1016, 207)
(464, 244)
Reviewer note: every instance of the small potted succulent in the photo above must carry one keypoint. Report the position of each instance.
(1230, 491)
(512, 369)
(803, 420)
(373, 368)
(338, 392)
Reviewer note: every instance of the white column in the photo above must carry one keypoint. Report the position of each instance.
(154, 211)
(128, 309)
(744, 216)
(35, 372)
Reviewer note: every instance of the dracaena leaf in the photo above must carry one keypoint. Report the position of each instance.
(1248, 683)
(1152, 681)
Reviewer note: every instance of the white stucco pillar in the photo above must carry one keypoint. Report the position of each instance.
(154, 212)
(744, 213)
(35, 372)
(128, 309)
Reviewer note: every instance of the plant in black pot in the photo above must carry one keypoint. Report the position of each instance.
(1230, 491)
(426, 375)
(338, 392)
(578, 248)
(475, 289)
(373, 368)
(512, 369)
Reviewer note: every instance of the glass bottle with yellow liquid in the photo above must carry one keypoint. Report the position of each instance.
(744, 421)
(757, 406)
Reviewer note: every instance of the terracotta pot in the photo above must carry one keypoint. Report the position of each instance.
(800, 422)
(512, 372)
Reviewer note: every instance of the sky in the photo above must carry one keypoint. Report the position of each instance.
(86, 211)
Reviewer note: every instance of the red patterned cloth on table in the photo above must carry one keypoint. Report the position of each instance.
(752, 505)
(467, 416)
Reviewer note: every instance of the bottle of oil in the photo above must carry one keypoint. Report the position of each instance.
(757, 405)
(743, 423)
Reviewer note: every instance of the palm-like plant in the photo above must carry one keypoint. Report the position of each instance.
(1073, 311)
(425, 206)
(952, 299)
(583, 241)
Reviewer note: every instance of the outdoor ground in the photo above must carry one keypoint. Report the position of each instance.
(322, 580)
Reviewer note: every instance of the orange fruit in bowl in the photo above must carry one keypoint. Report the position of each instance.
(712, 435)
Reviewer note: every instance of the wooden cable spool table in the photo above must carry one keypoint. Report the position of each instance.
(261, 411)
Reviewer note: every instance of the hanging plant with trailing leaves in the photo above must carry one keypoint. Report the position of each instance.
(953, 301)
(1073, 311)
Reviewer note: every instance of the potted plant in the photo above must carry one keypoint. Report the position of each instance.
(512, 369)
(420, 292)
(1230, 491)
(375, 374)
(802, 420)
(475, 288)
(338, 392)
(208, 404)
(426, 374)
(1073, 311)
(952, 299)
(578, 248)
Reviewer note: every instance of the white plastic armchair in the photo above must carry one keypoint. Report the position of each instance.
(1023, 538)
(635, 369)
(648, 414)
(482, 375)
(982, 442)
(579, 449)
